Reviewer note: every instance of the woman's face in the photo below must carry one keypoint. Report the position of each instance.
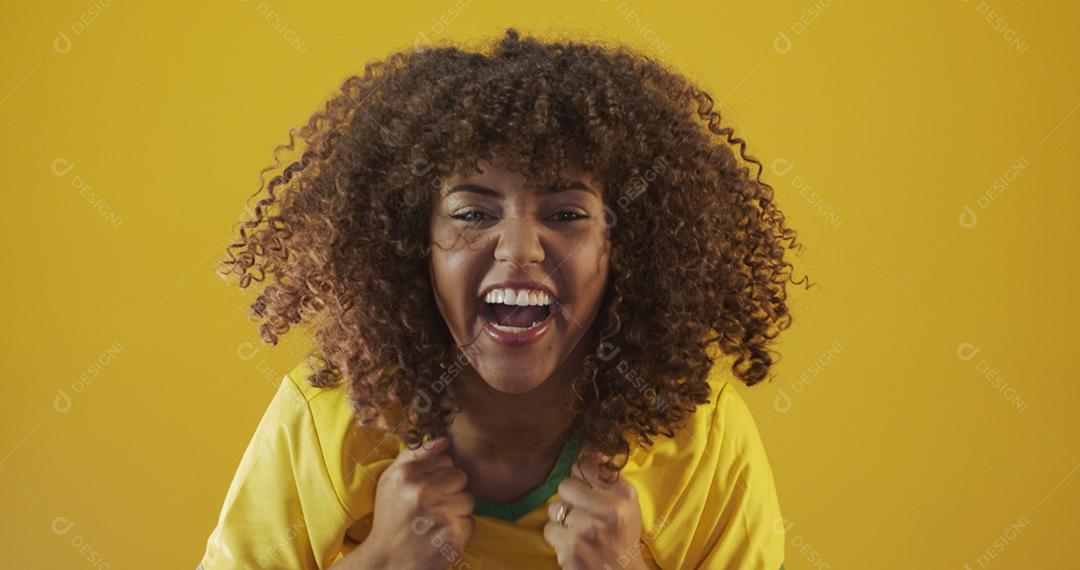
(519, 272)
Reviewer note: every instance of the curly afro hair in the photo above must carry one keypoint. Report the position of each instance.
(697, 270)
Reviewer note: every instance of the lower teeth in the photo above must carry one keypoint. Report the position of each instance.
(511, 329)
(490, 317)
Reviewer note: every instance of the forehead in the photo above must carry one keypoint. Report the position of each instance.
(494, 179)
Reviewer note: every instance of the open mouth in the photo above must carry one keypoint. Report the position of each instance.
(515, 318)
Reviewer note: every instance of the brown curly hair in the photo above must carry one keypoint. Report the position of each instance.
(698, 244)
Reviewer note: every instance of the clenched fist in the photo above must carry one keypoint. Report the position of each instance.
(602, 527)
(423, 516)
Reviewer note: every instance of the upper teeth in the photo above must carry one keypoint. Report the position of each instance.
(520, 297)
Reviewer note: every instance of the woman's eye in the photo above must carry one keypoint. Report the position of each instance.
(470, 216)
(569, 216)
(476, 216)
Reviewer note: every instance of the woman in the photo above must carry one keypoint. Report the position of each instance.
(533, 270)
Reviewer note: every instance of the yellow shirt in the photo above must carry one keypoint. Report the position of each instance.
(304, 492)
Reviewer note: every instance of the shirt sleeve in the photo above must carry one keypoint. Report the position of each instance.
(742, 515)
(280, 495)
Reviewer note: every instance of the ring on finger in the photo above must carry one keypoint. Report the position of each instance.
(561, 513)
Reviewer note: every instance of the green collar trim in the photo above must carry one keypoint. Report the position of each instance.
(525, 505)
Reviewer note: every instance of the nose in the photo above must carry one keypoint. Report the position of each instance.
(520, 243)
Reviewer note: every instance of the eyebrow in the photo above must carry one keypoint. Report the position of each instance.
(485, 191)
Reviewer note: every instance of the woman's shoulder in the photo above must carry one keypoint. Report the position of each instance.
(709, 491)
(723, 420)
(318, 466)
(354, 456)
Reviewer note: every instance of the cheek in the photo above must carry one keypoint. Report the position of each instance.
(445, 256)
(454, 272)
(447, 274)
(588, 270)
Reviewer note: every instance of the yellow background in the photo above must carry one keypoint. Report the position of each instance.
(925, 407)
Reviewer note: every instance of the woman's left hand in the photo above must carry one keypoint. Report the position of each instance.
(603, 527)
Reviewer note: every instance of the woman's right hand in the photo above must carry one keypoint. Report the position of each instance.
(423, 516)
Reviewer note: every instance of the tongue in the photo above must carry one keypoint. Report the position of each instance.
(517, 316)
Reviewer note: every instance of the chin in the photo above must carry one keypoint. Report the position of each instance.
(512, 382)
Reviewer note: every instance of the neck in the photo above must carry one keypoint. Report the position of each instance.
(498, 428)
(515, 428)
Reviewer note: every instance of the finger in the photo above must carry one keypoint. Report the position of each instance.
(448, 481)
(459, 504)
(561, 541)
(465, 527)
(439, 462)
(468, 523)
(574, 516)
(556, 536)
(580, 496)
(553, 510)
